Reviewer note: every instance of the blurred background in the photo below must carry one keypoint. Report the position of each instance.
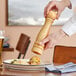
(31, 12)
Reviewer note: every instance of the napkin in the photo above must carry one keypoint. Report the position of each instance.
(66, 68)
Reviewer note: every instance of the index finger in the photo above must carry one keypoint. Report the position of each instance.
(50, 6)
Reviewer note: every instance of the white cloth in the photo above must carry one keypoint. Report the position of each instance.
(66, 68)
(70, 26)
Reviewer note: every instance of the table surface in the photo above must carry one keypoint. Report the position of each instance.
(7, 72)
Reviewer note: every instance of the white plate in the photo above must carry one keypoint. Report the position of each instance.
(27, 67)
(22, 60)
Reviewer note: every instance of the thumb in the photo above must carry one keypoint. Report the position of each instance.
(52, 4)
(59, 12)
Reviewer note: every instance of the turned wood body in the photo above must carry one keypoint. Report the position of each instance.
(44, 32)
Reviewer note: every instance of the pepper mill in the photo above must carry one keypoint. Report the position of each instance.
(44, 32)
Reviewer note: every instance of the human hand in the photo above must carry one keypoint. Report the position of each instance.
(60, 5)
(51, 40)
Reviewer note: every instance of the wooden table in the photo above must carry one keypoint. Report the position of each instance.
(43, 73)
(6, 72)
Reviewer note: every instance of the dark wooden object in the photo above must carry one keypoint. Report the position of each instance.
(23, 44)
(8, 49)
(64, 54)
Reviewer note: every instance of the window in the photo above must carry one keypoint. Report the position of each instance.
(31, 12)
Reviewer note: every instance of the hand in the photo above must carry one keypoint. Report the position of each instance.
(60, 5)
(52, 39)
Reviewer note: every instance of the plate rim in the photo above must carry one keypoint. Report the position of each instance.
(24, 64)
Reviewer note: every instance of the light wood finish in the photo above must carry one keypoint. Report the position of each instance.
(1, 47)
(44, 32)
(1, 44)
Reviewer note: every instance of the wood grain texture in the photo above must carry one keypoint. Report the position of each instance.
(44, 32)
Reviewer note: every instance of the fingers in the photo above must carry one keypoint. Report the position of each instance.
(59, 12)
(59, 5)
(48, 42)
(48, 8)
(45, 12)
(49, 45)
(52, 4)
(44, 41)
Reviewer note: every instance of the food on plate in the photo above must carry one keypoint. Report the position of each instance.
(35, 60)
(20, 61)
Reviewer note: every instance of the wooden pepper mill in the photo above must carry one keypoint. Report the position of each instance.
(44, 32)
